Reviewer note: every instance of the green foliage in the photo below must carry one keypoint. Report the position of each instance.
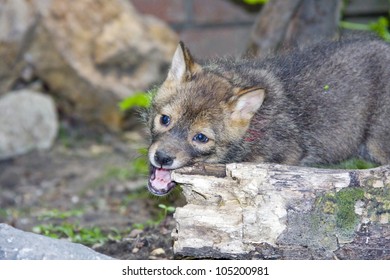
(3, 213)
(57, 214)
(142, 193)
(354, 163)
(87, 236)
(116, 172)
(139, 99)
(137, 168)
(91, 235)
(380, 27)
(166, 210)
(162, 214)
(63, 137)
(255, 2)
(140, 165)
(72, 231)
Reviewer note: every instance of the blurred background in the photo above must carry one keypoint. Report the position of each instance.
(74, 76)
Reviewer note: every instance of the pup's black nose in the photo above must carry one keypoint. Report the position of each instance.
(163, 159)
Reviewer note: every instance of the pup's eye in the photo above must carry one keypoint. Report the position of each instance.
(165, 120)
(200, 137)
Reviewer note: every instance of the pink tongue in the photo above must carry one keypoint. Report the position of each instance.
(161, 181)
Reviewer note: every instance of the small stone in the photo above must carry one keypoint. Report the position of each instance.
(384, 218)
(75, 199)
(158, 251)
(99, 149)
(135, 232)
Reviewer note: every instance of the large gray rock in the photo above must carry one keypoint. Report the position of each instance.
(28, 121)
(90, 53)
(16, 22)
(19, 245)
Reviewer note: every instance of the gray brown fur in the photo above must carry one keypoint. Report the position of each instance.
(323, 104)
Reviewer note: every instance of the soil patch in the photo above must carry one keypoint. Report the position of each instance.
(90, 180)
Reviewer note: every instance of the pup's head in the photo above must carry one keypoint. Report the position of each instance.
(196, 116)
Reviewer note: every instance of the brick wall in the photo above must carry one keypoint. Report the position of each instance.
(207, 27)
(220, 27)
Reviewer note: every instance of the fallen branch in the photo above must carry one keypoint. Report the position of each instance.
(268, 211)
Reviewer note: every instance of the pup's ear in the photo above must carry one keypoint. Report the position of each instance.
(246, 104)
(183, 65)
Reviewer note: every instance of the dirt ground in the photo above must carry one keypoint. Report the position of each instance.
(92, 175)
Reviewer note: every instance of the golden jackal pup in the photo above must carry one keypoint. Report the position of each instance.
(319, 105)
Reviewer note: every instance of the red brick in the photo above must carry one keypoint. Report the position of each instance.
(171, 11)
(219, 11)
(211, 42)
(364, 7)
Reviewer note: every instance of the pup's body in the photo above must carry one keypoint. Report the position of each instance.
(320, 105)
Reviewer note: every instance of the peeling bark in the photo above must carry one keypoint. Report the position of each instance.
(269, 211)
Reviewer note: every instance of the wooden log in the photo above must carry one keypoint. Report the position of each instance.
(270, 211)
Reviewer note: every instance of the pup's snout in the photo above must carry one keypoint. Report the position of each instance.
(163, 159)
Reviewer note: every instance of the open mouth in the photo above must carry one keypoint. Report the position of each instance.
(160, 182)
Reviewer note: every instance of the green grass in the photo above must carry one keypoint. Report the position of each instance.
(379, 27)
(75, 233)
(354, 163)
(161, 216)
(57, 224)
(141, 163)
(136, 169)
(255, 2)
(3, 213)
(91, 235)
(57, 214)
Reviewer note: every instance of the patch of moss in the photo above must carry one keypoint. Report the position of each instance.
(334, 219)
(379, 202)
(329, 207)
(335, 213)
(346, 218)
